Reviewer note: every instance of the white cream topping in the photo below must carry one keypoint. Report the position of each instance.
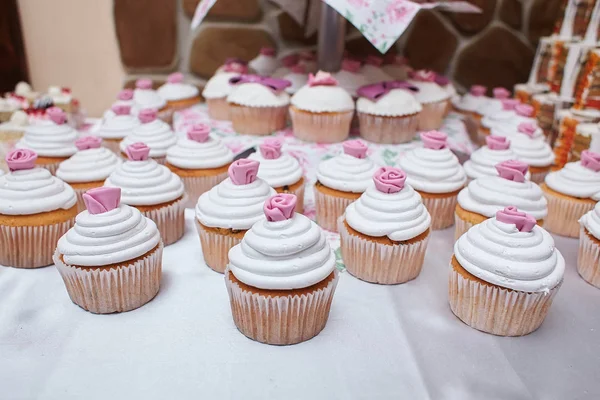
(397, 102)
(499, 119)
(257, 95)
(498, 253)
(89, 165)
(429, 92)
(264, 65)
(483, 161)
(282, 171)
(218, 86)
(374, 74)
(189, 154)
(145, 183)
(591, 221)
(350, 81)
(533, 152)
(33, 191)
(283, 255)
(347, 173)
(147, 98)
(116, 236)
(433, 171)
(48, 139)
(468, 102)
(490, 107)
(157, 135)
(117, 127)
(233, 206)
(177, 91)
(298, 81)
(323, 99)
(58, 96)
(575, 180)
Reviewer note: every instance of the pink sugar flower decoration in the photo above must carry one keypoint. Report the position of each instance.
(434, 140)
(501, 93)
(355, 148)
(137, 151)
(271, 148)
(88, 142)
(280, 207)
(423, 76)
(102, 199)
(509, 104)
(125, 95)
(199, 133)
(512, 170)
(298, 69)
(20, 159)
(121, 109)
(523, 221)
(527, 128)
(524, 110)
(321, 79)
(389, 179)
(175, 77)
(494, 142)
(57, 115)
(590, 160)
(143, 83)
(147, 115)
(243, 171)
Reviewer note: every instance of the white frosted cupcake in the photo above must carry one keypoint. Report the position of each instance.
(349, 77)
(494, 104)
(228, 210)
(471, 101)
(124, 98)
(483, 161)
(258, 105)
(384, 234)
(218, 88)
(504, 274)
(153, 189)
(588, 259)
(88, 168)
(280, 170)
(287, 62)
(322, 111)
(144, 97)
(433, 98)
(372, 71)
(53, 140)
(111, 260)
(503, 120)
(115, 128)
(388, 112)
(178, 94)
(340, 181)
(200, 160)
(281, 278)
(435, 172)
(309, 60)
(484, 196)
(297, 77)
(265, 63)
(155, 133)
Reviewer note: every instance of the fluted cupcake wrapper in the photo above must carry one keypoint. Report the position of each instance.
(497, 310)
(441, 210)
(257, 120)
(329, 209)
(215, 248)
(588, 259)
(432, 115)
(218, 109)
(460, 226)
(196, 185)
(169, 220)
(119, 289)
(52, 167)
(563, 215)
(280, 320)
(321, 127)
(299, 192)
(380, 263)
(388, 130)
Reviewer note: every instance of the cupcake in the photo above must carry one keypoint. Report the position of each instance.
(494, 104)
(62, 98)
(588, 258)
(265, 63)
(218, 88)
(504, 274)
(388, 112)
(144, 97)
(155, 133)
(396, 67)
(178, 94)
(201, 161)
(297, 77)
(472, 101)
(287, 63)
(116, 127)
(280, 170)
(111, 260)
(571, 192)
(522, 114)
(384, 234)
(435, 173)
(124, 98)
(258, 105)
(322, 111)
(340, 181)
(449, 88)
(153, 189)
(484, 196)
(309, 60)
(53, 140)
(433, 99)
(281, 278)
(484, 160)
(6, 109)
(499, 119)
(372, 71)
(349, 77)
(226, 212)
(88, 168)
(36, 209)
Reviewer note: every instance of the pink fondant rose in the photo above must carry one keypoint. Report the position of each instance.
(510, 215)
(355, 148)
(494, 142)
(524, 110)
(478, 90)
(199, 133)
(243, 172)
(389, 179)
(280, 207)
(527, 128)
(590, 160)
(21, 159)
(143, 84)
(102, 199)
(501, 93)
(147, 115)
(88, 142)
(512, 170)
(175, 77)
(321, 79)
(270, 148)
(434, 140)
(57, 115)
(137, 151)
(509, 104)
(121, 109)
(125, 95)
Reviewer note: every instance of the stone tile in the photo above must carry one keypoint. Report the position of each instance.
(542, 18)
(292, 31)
(511, 12)
(233, 10)
(473, 23)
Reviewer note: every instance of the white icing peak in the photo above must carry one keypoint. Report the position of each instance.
(190, 154)
(500, 254)
(282, 255)
(396, 102)
(117, 126)
(278, 172)
(177, 91)
(347, 173)
(483, 161)
(323, 99)
(433, 171)
(257, 95)
(429, 92)
(116, 236)
(575, 180)
(157, 135)
(218, 86)
(48, 139)
(591, 221)
(33, 191)
(147, 98)
(88, 166)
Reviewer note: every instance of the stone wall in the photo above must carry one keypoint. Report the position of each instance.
(493, 48)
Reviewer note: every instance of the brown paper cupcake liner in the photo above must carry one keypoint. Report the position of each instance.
(196, 185)
(588, 258)
(388, 130)
(169, 220)
(381, 263)
(329, 209)
(432, 115)
(215, 248)
(257, 120)
(564, 213)
(441, 209)
(299, 192)
(280, 319)
(218, 109)
(331, 127)
(109, 290)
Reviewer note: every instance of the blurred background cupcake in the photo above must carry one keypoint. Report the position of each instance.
(218, 88)
(372, 71)
(178, 94)
(588, 259)
(433, 98)
(155, 133)
(297, 77)
(116, 127)
(265, 63)
(349, 77)
(471, 101)
(145, 97)
(396, 66)
(124, 98)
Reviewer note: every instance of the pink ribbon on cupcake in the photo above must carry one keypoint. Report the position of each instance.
(423, 75)
(512, 170)
(590, 160)
(199, 133)
(389, 179)
(434, 140)
(494, 142)
(523, 221)
(88, 142)
(270, 148)
(243, 171)
(355, 148)
(137, 151)
(101, 200)
(20, 159)
(280, 207)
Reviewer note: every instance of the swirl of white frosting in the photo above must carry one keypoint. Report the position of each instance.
(591, 221)
(350, 81)
(483, 161)
(283, 255)
(399, 216)
(323, 99)
(89, 165)
(282, 171)
(429, 92)
(347, 173)
(533, 152)
(112, 237)
(147, 98)
(177, 91)
(233, 206)
(33, 191)
(145, 183)
(433, 171)
(498, 253)
(218, 86)
(575, 180)
(499, 119)
(396, 102)
(490, 107)
(257, 95)
(117, 126)
(48, 139)
(189, 154)
(469, 102)
(157, 135)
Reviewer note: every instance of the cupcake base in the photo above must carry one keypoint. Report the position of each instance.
(49, 163)
(113, 288)
(388, 130)
(588, 258)
(564, 212)
(80, 188)
(494, 309)
(257, 120)
(330, 205)
(381, 260)
(216, 243)
(280, 317)
(325, 127)
(168, 217)
(432, 115)
(198, 181)
(218, 109)
(441, 207)
(295, 189)
(465, 220)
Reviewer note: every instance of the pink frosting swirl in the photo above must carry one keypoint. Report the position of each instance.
(143, 83)
(102, 199)
(478, 90)
(355, 148)
(527, 128)
(199, 133)
(121, 109)
(590, 160)
(389, 179)
(125, 95)
(509, 104)
(501, 93)
(350, 65)
(280, 207)
(243, 171)
(147, 115)
(524, 110)
(88, 142)
(175, 77)
(374, 60)
(321, 79)
(19, 159)
(512, 170)
(271, 148)
(137, 151)
(434, 140)
(57, 115)
(494, 142)
(267, 51)
(510, 215)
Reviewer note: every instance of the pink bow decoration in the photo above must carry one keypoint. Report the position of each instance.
(276, 85)
(355, 148)
(478, 90)
(377, 90)
(423, 76)
(57, 115)
(321, 79)
(271, 148)
(374, 60)
(590, 160)
(527, 128)
(501, 93)
(143, 83)
(236, 68)
(88, 142)
(280, 207)
(125, 95)
(509, 104)
(147, 115)
(19, 159)
(199, 133)
(494, 142)
(510, 215)
(512, 170)
(350, 65)
(389, 179)
(137, 151)
(267, 51)
(102, 199)
(434, 140)
(243, 171)
(298, 69)
(524, 110)
(175, 77)
(290, 60)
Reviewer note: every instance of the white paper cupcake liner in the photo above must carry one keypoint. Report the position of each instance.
(496, 310)
(329, 209)
(460, 226)
(215, 248)
(563, 215)
(388, 130)
(257, 120)
(196, 185)
(588, 259)
(109, 290)
(379, 263)
(432, 115)
(441, 210)
(170, 220)
(331, 127)
(280, 319)
(218, 108)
